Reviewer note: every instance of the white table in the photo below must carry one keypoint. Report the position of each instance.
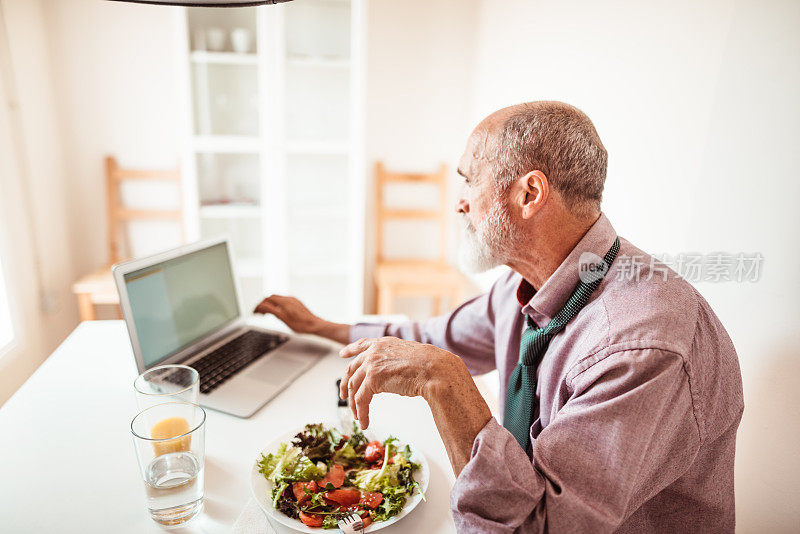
(67, 462)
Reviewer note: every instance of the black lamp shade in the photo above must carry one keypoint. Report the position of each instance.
(206, 3)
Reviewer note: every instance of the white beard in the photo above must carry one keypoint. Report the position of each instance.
(473, 254)
(480, 251)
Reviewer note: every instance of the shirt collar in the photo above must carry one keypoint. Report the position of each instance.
(544, 304)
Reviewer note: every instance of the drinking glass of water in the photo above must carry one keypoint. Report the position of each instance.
(170, 445)
(167, 383)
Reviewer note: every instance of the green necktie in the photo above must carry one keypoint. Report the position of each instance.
(521, 403)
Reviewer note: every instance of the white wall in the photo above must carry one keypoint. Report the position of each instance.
(697, 105)
(116, 80)
(34, 211)
(419, 78)
(419, 81)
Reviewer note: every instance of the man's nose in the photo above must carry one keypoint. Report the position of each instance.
(462, 206)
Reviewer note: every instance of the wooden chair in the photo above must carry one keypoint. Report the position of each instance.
(98, 287)
(415, 277)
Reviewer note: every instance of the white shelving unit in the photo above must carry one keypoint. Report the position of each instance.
(274, 146)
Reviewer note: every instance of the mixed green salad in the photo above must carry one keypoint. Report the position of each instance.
(324, 475)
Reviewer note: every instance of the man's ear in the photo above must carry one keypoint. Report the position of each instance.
(533, 194)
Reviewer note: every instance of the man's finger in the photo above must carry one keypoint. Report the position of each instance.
(277, 311)
(270, 301)
(351, 402)
(352, 387)
(348, 372)
(362, 399)
(265, 306)
(356, 347)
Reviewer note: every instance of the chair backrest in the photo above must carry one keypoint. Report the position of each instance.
(386, 213)
(119, 216)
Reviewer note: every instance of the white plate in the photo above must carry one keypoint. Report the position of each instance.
(262, 488)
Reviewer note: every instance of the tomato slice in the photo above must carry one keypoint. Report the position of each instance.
(311, 520)
(371, 499)
(298, 488)
(345, 496)
(335, 476)
(366, 520)
(374, 451)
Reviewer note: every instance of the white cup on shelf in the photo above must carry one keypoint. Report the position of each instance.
(242, 40)
(215, 39)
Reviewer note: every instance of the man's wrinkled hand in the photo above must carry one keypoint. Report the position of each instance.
(389, 365)
(292, 312)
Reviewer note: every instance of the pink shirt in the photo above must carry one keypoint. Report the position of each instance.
(640, 399)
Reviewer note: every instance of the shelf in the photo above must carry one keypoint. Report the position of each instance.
(230, 211)
(318, 62)
(317, 147)
(269, 140)
(239, 144)
(223, 58)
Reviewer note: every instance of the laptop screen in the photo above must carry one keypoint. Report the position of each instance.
(179, 301)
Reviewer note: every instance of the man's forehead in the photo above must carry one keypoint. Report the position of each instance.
(479, 149)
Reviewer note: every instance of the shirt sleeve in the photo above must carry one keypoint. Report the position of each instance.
(627, 431)
(468, 331)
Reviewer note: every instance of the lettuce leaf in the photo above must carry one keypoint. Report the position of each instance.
(268, 463)
(394, 498)
(330, 522)
(377, 479)
(288, 464)
(348, 457)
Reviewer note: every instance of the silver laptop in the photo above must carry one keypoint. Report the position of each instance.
(182, 306)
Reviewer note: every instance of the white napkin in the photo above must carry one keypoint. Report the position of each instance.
(252, 520)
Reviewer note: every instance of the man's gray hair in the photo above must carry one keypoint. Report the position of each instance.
(560, 141)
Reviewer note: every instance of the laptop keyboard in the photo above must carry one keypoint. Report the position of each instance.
(216, 367)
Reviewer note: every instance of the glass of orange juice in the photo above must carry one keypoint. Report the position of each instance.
(167, 383)
(170, 445)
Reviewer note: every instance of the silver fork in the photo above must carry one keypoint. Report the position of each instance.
(351, 524)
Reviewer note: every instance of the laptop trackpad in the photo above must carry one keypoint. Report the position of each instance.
(276, 369)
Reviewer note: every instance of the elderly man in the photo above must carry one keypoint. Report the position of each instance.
(621, 391)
